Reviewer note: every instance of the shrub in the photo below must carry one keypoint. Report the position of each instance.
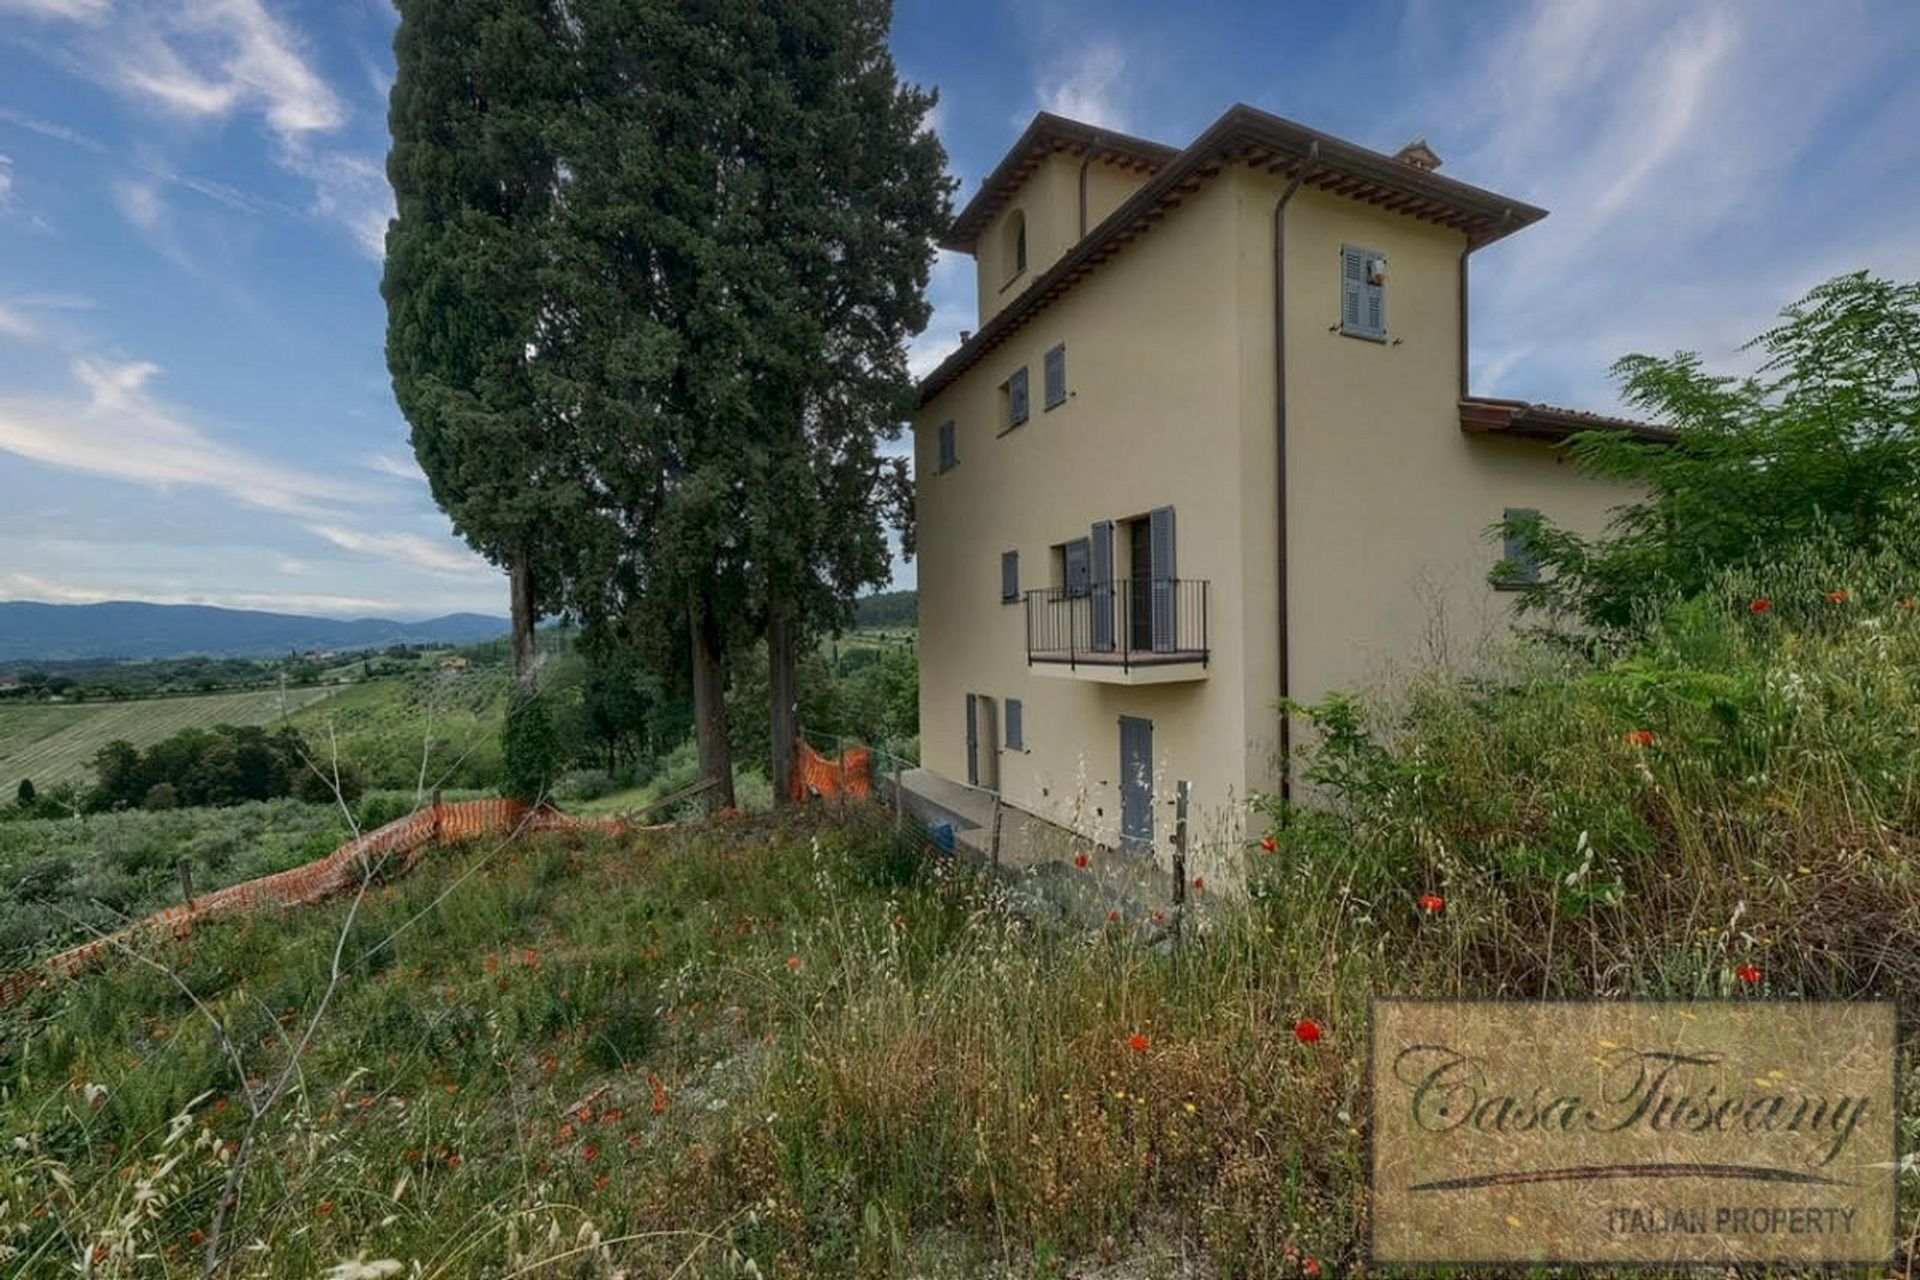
(1822, 445)
(160, 796)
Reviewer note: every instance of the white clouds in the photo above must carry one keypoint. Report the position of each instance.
(408, 549)
(50, 129)
(1704, 164)
(397, 468)
(6, 181)
(15, 325)
(70, 10)
(351, 190)
(26, 586)
(215, 60)
(117, 429)
(140, 204)
(1087, 85)
(216, 57)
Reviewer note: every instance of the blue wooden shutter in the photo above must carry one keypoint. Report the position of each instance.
(1523, 569)
(1016, 731)
(1077, 572)
(1353, 284)
(949, 445)
(1056, 368)
(1100, 557)
(1017, 397)
(1363, 304)
(1009, 576)
(1376, 310)
(1165, 603)
(973, 741)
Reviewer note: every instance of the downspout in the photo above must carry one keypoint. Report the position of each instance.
(1093, 148)
(1280, 452)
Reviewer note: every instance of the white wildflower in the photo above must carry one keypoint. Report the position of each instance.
(358, 1268)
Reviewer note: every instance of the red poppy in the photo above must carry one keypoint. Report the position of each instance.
(1760, 606)
(453, 1162)
(1640, 738)
(1138, 1043)
(1200, 882)
(1432, 903)
(1838, 597)
(589, 1153)
(659, 1093)
(1749, 974)
(794, 962)
(325, 1208)
(1159, 917)
(1082, 861)
(1909, 604)
(1311, 1267)
(1113, 917)
(1306, 1031)
(1269, 843)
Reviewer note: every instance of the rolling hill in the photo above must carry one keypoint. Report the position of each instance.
(134, 630)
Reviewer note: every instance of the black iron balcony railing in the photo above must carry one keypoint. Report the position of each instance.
(1127, 623)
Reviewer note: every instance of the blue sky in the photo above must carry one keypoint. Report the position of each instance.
(193, 400)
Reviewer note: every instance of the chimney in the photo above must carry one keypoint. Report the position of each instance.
(965, 334)
(1419, 155)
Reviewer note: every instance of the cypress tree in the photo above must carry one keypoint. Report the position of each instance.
(468, 284)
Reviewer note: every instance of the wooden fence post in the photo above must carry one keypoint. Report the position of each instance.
(899, 800)
(1181, 790)
(993, 835)
(185, 868)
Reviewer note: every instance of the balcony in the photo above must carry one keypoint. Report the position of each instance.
(1129, 631)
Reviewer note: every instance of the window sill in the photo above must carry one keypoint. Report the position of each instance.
(1379, 338)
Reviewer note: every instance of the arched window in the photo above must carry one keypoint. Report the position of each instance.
(1016, 242)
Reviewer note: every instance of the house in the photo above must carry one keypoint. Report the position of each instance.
(1211, 445)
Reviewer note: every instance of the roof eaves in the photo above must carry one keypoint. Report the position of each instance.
(1489, 415)
(1246, 134)
(1046, 134)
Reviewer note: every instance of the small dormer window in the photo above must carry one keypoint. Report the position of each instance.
(1016, 243)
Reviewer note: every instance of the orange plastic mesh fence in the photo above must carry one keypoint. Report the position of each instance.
(391, 850)
(816, 775)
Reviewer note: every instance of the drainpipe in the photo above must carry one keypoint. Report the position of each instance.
(1086, 160)
(1280, 450)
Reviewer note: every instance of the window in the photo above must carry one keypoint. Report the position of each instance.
(1013, 400)
(1363, 293)
(1056, 376)
(1009, 577)
(1016, 731)
(1016, 244)
(1518, 569)
(949, 446)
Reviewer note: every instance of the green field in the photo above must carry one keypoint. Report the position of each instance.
(55, 742)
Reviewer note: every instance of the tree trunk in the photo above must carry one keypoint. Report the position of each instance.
(710, 704)
(785, 698)
(520, 585)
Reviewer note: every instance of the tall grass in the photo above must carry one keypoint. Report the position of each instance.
(785, 1046)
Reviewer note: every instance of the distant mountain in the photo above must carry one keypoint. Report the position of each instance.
(132, 630)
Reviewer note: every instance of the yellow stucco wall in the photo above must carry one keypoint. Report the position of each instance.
(1389, 502)
(1049, 201)
(1171, 377)
(1151, 420)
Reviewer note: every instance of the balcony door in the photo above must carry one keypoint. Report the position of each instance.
(1152, 620)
